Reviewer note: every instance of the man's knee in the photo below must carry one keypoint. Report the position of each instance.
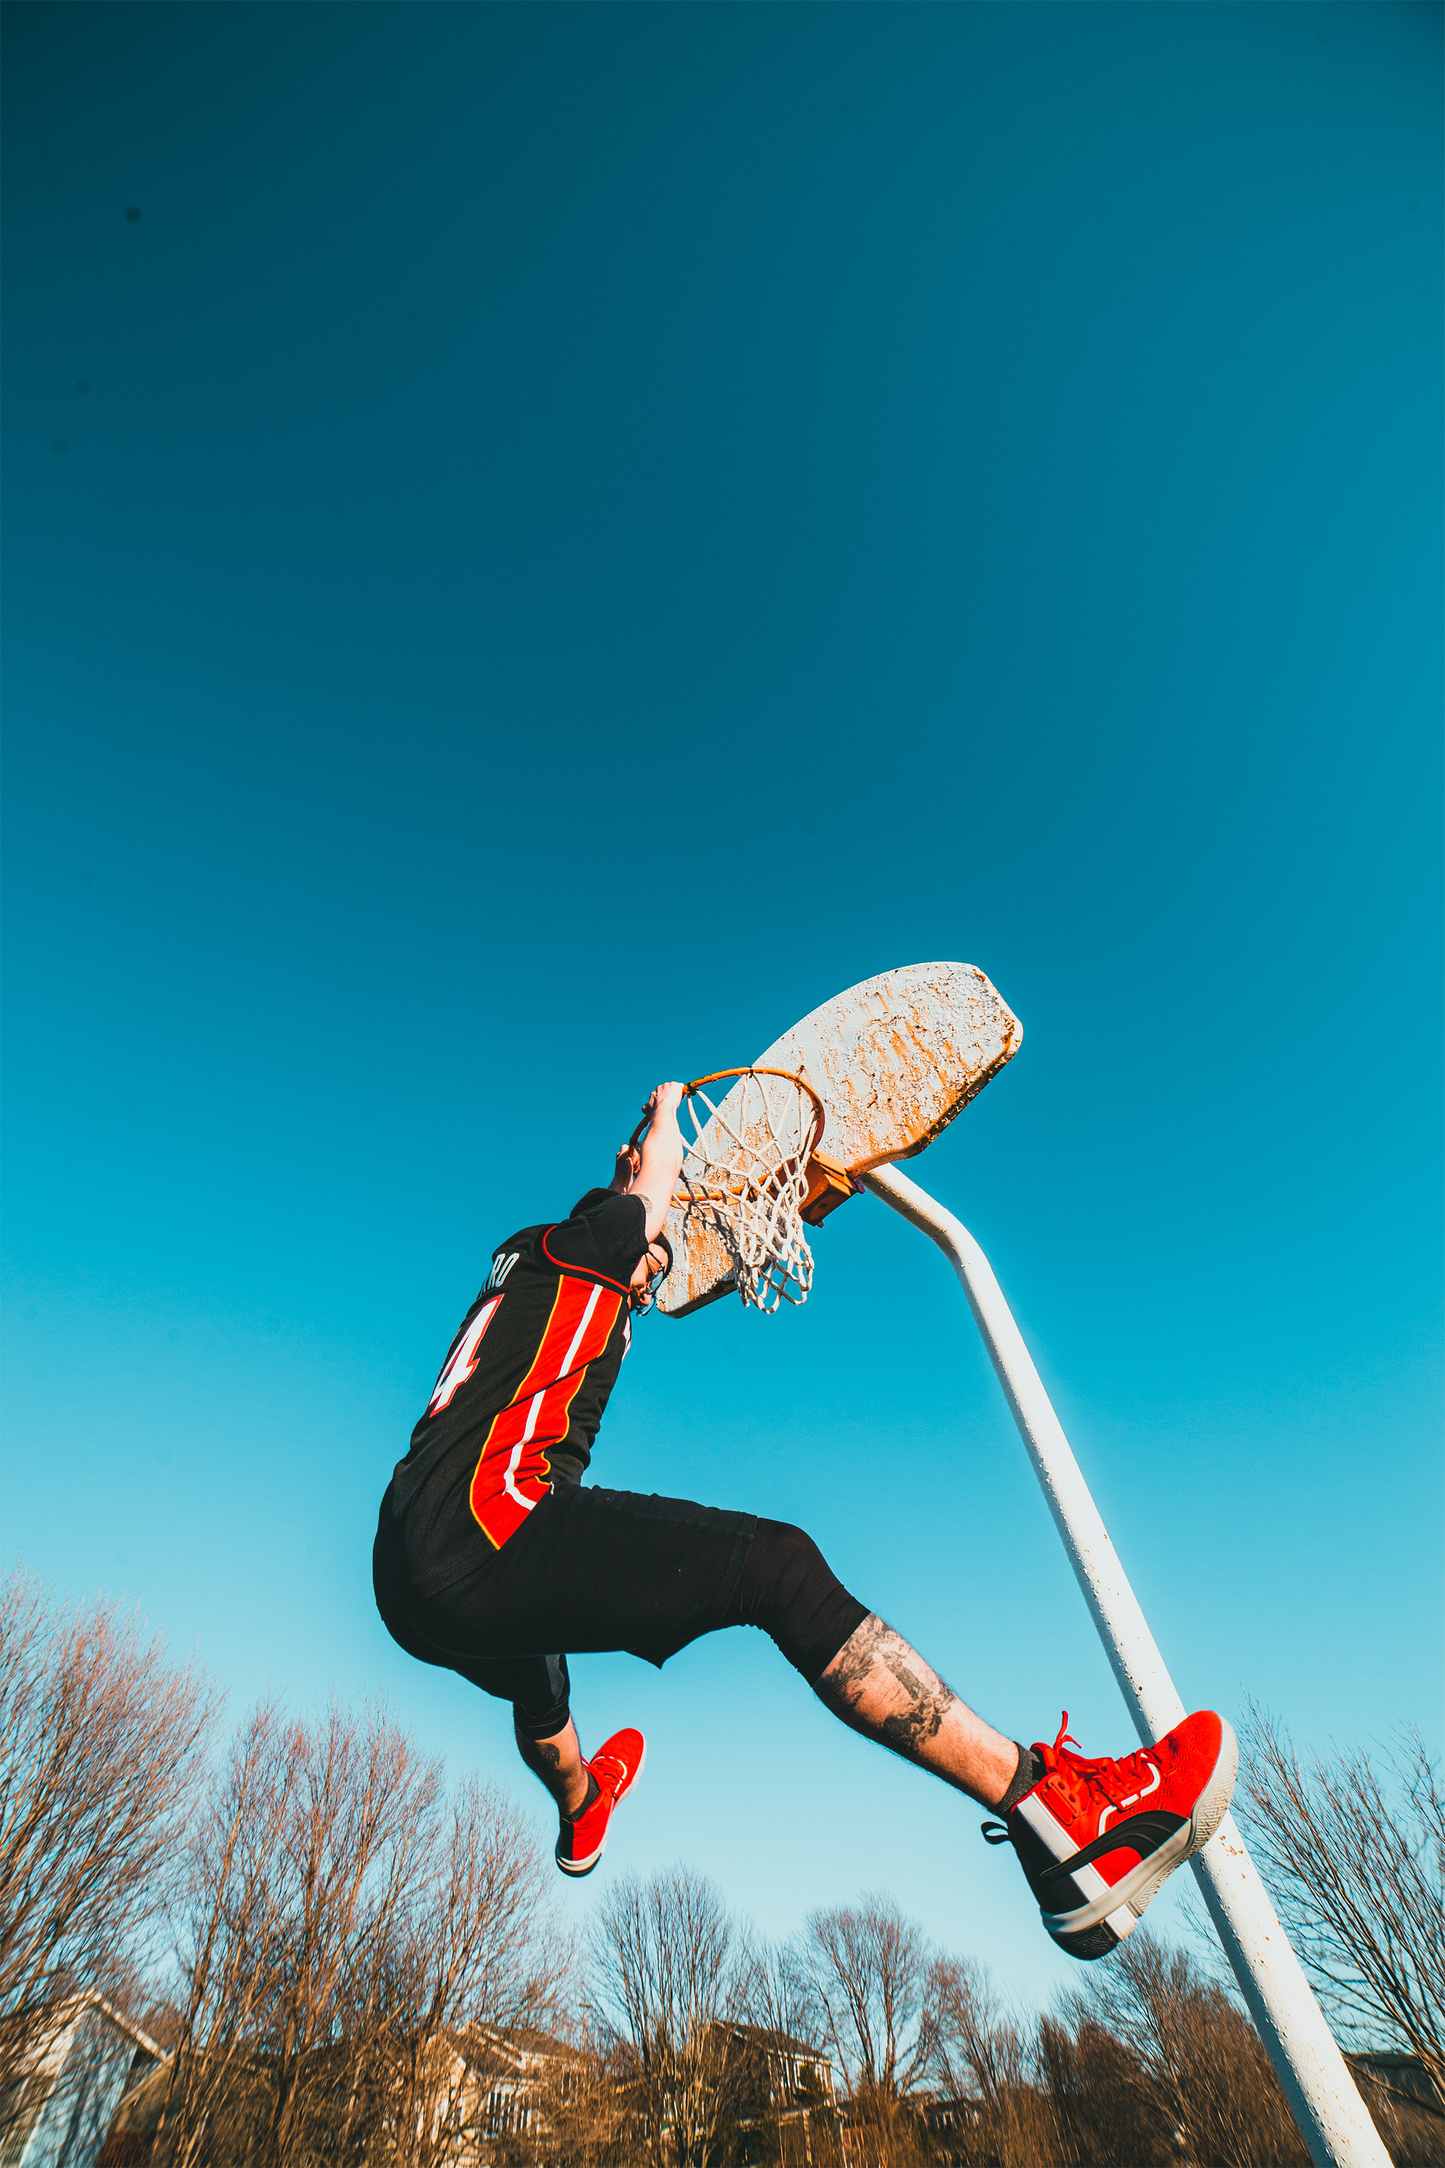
(544, 1706)
(788, 1588)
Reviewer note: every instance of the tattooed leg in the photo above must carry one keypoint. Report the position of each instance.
(884, 1689)
(558, 1762)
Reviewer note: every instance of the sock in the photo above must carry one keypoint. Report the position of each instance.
(594, 1793)
(1026, 1776)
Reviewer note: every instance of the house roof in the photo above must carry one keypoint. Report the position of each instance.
(63, 2018)
(516, 2044)
(140, 2109)
(779, 2043)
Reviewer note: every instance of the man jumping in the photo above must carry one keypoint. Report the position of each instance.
(492, 1557)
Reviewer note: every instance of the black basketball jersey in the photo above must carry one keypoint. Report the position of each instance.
(521, 1393)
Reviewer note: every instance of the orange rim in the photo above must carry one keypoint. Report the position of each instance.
(717, 1077)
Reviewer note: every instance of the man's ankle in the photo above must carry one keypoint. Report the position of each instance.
(592, 1791)
(1025, 1777)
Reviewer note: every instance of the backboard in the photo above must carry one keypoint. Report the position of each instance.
(893, 1060)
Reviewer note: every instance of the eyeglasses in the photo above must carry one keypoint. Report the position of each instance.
(644, 1297)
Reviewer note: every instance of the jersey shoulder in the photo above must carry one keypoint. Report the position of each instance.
(525, 1246)
(603, 1243)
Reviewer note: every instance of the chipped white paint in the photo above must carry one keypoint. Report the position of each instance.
(1336, 2124)
(893, 1060)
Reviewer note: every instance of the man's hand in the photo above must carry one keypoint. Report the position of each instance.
(665, 1099)
(660, 1160)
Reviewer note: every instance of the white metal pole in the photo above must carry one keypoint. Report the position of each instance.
(1317, 2080)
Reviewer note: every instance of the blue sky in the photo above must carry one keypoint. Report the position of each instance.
(559, 539)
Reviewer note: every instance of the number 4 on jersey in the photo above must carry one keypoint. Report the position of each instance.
(462, 1360)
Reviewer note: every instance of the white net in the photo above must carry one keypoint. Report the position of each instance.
(745, 1175)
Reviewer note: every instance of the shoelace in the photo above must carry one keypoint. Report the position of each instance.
(610, 1771)
(1101, 1775)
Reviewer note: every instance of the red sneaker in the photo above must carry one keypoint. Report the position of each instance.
(617, 1767)
(1098, 1839)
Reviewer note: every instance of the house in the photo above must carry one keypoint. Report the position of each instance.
(946, 2117)
(492, 2091)
(56, 2113)
(131, 2136)
(784, 2098)
(1404, 2100)
(515, 2078)
(1405, 2076)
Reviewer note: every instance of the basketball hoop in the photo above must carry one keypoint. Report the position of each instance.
(745, 1177)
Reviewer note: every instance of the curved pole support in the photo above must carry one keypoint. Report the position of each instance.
(1317, 2081)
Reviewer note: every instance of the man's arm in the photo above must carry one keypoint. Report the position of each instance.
(660, 1159)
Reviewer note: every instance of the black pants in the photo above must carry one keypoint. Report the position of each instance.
(595, 1569)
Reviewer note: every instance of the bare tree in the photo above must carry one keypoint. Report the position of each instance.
(981, 2047)
(477, 1945)
(101, 1741)
(1204, 2067)
(667, 1971)
(870, 1987)
(1357, 1863)
(984, 2052)
(587, 2114)
(1097, 2101)
(778, 2003)
(231, 1943)
(353, 1850)
(345, 1925)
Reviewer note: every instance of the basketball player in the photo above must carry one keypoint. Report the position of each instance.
(493, 1557)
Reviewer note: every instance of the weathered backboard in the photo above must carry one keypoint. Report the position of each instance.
(894, 1060)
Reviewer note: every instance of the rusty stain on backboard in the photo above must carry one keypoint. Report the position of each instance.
(894, 1060)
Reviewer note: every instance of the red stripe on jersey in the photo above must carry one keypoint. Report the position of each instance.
(511, 1475)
